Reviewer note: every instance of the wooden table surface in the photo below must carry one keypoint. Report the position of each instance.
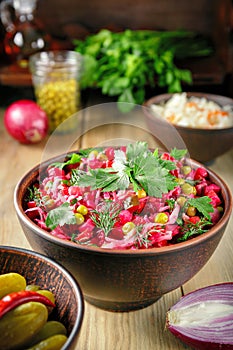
(104, 330)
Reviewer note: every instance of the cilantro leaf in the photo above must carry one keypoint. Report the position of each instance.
(150, 175)
(82, 178)
(203, 205)
(109, 181)
(136, 150)
(75, 158)
(178, 153)
(60, 216)
(138, 165)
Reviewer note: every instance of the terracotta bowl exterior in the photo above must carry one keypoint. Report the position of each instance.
(203, 145)
(124, 280)
(41, 270)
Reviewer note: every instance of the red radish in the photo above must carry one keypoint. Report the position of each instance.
(203, 319)
(26, 122)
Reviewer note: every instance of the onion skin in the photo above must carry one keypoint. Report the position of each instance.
(203, 319)
(26, 122)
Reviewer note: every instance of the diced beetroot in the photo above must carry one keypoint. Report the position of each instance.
(116, 233)
(194, 219)
(215, 216)
(200, 187)
(85, 236)
(167, 156)
(31, 204)
(125, 216)
(74, 190)
(215, 200)
(110, 153)
(210, 187)
(53, 171)
(200, 173)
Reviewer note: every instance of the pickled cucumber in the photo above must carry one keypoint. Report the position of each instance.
(33, 287)
(52, 343)
(47, 294)
(19, 326)
(48, 330)
(11, 282)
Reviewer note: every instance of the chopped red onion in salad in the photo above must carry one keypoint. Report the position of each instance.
(126, 198)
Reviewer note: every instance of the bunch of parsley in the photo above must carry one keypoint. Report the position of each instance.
(122, 64)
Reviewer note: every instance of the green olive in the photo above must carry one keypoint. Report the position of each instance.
(18, 326)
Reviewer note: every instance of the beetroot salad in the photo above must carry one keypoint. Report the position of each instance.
(125, 198)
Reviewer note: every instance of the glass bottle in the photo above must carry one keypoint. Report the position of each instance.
(24, 34)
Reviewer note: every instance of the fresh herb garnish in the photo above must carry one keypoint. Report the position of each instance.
(60, 216)
(105, 216)
(202, 204)
(138, 166)
(142, 239)
(190, 229)
(178, 153)
(74, 158)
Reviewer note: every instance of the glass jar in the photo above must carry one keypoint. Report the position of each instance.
(56, 76)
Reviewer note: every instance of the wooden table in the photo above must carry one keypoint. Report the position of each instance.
(103, 330)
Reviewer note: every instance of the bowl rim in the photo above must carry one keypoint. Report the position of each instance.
(124, 252)
(68, 275)
(213, 97)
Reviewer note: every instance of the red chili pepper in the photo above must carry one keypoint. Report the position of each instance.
(12, 300)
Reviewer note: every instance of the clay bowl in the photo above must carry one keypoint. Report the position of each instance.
(42, 271)
(204, 145)
(123, 280)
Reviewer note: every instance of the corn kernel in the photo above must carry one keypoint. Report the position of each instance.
(161, 218)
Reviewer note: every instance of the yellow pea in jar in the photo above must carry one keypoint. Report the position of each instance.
(56, 76)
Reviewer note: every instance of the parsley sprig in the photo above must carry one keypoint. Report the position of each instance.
(137, 166)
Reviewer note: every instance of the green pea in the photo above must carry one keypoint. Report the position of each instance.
(187, 188)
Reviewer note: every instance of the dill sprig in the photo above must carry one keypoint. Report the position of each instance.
(105, 216)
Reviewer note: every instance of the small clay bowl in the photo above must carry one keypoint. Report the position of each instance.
(203, 145)
(124, 280)
(46, 273)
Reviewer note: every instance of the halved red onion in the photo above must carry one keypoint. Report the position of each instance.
(203, 319)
